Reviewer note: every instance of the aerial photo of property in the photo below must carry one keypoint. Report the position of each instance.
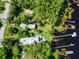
(39, 29)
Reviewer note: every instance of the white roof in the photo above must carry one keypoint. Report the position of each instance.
(69, 52)
(31, 26)
(26, 41)
(31, 40)
(74, 34)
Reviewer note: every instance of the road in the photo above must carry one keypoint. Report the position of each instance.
(3, 16)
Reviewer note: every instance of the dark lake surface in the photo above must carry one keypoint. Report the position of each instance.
(68, 40)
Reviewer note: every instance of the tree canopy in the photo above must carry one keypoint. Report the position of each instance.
(47, 14)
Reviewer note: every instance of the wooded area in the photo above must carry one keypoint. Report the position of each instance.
(47, 14)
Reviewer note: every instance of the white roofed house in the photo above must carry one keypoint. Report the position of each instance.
(29, 26)
(31, 40)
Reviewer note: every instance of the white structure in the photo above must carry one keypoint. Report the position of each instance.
(28, 12)
(69, 52)
(74, 34)
(69, 21)
(31, 40)
(26, 41)
(64, 46)
(73, 26)
(29, 26)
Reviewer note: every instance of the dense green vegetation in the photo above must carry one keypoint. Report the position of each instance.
(2, 6)
(47, 15)
(40, 50)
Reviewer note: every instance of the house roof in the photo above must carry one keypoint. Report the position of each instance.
(29, 26)
(31, 40)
